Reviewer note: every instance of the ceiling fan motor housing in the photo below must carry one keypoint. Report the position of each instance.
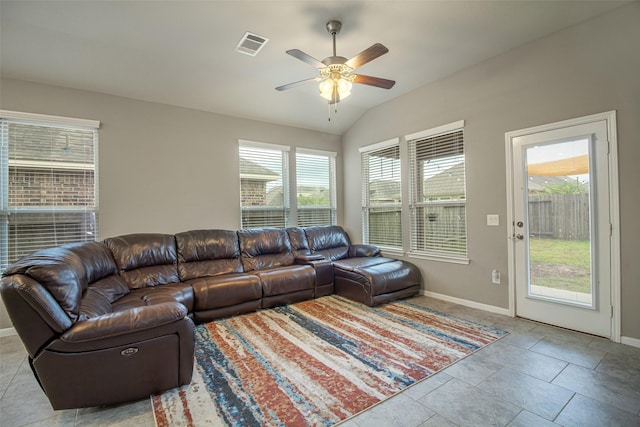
(334, 27)
(334, 60)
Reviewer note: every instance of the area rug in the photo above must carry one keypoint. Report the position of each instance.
(314, 363)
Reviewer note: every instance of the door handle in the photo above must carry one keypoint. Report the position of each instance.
(519, 236)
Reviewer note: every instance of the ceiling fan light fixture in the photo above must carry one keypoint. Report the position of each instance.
(330, 85)
(326, 89)
(344, 87)
(337, 77)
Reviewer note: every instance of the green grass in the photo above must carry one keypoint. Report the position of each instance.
(573, 253)
(561, 264)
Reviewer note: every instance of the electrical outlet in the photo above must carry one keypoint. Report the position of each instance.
(495, 277)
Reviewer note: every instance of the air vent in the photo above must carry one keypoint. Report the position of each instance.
(250, 44)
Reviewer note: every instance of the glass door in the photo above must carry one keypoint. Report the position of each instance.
(562, 227)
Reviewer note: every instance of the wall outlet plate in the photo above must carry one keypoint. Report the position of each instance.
(493, 220)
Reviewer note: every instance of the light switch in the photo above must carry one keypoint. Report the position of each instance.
(493, 220)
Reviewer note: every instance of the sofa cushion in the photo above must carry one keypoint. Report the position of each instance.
(203, 253)
(99, 296)
(286, 280)
(353, 264)
(145, 259)
(378, 275)
(60, 271)
(104, 284)
(96, 260)
(67, 271)
(225, 291)
(265, 248)
(331, 241)
(174, 292)
(298, 240)
(179, 292)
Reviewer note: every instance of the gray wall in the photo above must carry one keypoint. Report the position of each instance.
(162, 169)
(168, 169)
(590, 68)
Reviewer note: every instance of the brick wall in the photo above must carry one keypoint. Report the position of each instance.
(253, 193)
(46, 187)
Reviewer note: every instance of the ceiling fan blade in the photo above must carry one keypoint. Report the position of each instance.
(374, 81)
(297, 53)
(298, 83)
(367, 55)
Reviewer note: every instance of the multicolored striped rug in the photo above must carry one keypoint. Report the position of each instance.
(314, 363)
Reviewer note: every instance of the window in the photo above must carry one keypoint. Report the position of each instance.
(315, 187)
(264, 185)
(382, 195)
(47, 183)
(438, 192)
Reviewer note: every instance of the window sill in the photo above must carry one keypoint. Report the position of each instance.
(429, 257)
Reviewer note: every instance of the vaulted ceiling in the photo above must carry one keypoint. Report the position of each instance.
(183, 52)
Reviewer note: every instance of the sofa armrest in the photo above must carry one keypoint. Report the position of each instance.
(356, 251)
(306, 259)
(125, 322)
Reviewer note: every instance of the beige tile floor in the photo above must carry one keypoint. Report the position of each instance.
(536, 376)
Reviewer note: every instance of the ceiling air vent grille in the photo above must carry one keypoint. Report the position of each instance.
(250, 44)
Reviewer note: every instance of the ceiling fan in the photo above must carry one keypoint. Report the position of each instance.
(336, 72)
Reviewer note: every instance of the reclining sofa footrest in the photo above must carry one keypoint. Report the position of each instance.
(374, 281)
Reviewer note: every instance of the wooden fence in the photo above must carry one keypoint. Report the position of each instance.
(559, 216)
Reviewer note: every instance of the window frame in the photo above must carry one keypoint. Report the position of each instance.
(41, 120)
(332, 207)
(368, 207)
(284, 177)
(416, 203)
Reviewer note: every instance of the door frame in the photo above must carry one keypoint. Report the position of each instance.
(614, 208)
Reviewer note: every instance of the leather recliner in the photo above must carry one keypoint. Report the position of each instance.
(83, 350)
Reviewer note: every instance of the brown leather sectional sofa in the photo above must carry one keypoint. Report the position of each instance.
(112, 321)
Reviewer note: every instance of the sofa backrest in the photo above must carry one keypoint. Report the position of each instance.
(263, 248)
(104, 284)
(145, 259)
(298, 240)
(330, 241)
(204, 253)
(72, 271)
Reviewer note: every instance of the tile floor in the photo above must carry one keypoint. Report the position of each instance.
(536, 376)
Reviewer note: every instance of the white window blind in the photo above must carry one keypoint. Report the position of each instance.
(382, 195)
(438, 192)
(48, 183)
(315, 187)
(264, 185)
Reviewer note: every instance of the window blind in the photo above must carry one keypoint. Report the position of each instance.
(438, 194)
(49, 188)
(315, 188)
(382, 195)
(264, 185)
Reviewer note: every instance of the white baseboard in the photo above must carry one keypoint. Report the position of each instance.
(634, 342)
(467, 303)
(7, 332)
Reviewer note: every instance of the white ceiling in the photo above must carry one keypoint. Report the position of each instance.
(183, 52)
